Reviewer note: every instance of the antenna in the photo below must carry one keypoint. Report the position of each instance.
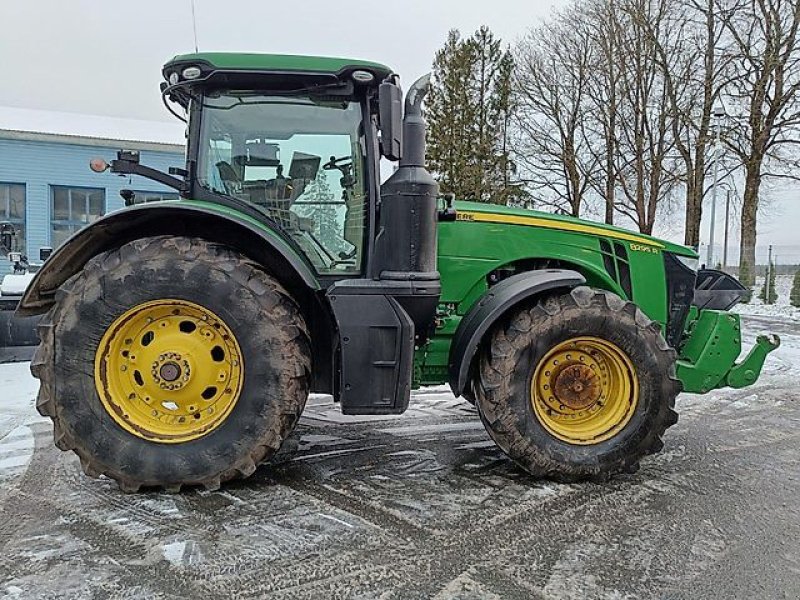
(194, 26)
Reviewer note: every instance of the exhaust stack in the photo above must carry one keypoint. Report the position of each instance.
(414, 124)
(406, 240)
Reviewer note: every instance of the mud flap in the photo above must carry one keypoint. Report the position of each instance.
(18, 337)
(376, 348)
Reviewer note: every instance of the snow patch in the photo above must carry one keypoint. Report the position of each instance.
(15, 285)
(16, 451)
(182, 553)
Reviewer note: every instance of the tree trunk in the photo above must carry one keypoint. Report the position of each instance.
(747, 244)
(691, 235)
(610, 184)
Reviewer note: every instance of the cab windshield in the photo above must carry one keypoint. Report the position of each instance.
(298, 159)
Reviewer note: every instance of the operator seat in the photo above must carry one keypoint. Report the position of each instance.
(230, 178)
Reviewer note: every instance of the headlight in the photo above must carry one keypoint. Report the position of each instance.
(688, 262)
(191, 73)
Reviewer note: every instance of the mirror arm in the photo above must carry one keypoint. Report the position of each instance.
(127, 163)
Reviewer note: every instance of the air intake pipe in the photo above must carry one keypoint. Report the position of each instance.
(406, 242)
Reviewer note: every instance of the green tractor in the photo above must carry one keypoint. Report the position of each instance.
(182, 338)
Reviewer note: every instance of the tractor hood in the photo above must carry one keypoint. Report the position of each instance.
(506, 215)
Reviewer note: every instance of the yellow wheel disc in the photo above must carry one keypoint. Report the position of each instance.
(169, 371)
(584, 390)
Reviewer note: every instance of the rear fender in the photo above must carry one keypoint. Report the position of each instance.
(495, 303)
(255, 240)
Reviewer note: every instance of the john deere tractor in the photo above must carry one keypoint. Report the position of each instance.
(182, 338)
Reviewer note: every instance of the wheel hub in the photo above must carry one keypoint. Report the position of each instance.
(577, 386)
(584, 390)
(169, 371)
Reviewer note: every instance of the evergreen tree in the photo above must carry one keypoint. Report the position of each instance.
(769, 281)
(794, 295)
(468, 112)
(328, 222)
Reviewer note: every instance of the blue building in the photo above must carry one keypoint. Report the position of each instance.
(46, 188)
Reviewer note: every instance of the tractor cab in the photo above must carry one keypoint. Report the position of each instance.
(297, 159)
(292, 139)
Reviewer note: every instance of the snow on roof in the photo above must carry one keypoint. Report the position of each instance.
(75, 125)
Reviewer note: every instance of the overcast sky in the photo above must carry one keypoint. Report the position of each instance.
(105, 58)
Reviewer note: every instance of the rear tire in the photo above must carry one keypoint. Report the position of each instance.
(262, 318)
(537, 436)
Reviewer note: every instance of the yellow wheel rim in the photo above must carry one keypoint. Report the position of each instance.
(584, 390)
(169, 371)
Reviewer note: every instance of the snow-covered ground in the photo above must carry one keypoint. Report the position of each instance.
(17, 413)
(781, 309)
(423, 505)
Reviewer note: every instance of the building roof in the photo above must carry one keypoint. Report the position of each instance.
(280, 62)
(90, 130)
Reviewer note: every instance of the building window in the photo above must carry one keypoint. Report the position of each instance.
(12, 210)
(74, 208)
(142, 197)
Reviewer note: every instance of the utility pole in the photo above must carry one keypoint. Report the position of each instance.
(769, 273)
(719, 112)
(725, 247)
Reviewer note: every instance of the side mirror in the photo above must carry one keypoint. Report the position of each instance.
(390, 112)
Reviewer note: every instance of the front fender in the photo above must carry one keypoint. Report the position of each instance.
(254, 239)
(492, 306)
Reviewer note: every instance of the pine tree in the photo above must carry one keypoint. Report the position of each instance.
(794, 295)
(769, 280)
(468, 113)
(328, 223)
(506, 190)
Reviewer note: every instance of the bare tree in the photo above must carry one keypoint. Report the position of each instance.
(646, 169)
(764, 45)
(553, 71)
(603, 94)
(693, 75)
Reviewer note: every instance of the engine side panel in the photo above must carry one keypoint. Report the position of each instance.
(477, 251)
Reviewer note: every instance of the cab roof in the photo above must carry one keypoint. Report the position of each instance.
(281, 63)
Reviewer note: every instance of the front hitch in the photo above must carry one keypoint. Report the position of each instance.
(708, 355)
(746, 372)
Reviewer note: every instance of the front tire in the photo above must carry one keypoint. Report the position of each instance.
(579, 386)
(172, 361)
